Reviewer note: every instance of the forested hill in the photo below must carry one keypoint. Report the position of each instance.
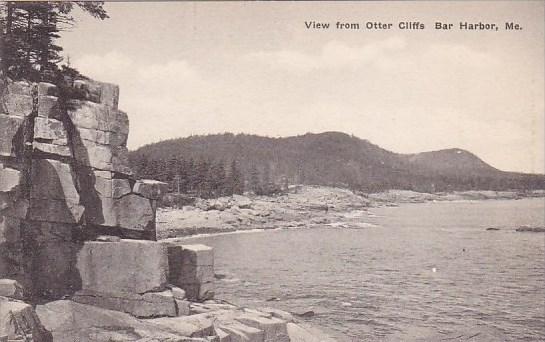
(330, 158)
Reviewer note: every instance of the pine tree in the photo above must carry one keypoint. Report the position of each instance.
(29, 31)
(235, 179)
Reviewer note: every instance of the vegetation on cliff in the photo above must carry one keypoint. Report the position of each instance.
(29, 30)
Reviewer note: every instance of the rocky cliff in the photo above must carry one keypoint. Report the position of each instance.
(78, 256)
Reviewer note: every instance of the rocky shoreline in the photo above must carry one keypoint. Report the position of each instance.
(300, 207)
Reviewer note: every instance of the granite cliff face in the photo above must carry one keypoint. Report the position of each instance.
(64, 179)
(79, 258)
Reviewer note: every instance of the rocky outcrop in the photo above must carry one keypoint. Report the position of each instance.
(75, 224)
(64, 179)
(19, 322)
(70, 321)
(191, 267)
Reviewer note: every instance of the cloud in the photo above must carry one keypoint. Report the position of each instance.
(462, 55)
(103, 67)
(333, 55)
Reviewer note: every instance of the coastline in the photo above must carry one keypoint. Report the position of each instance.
(300, 207)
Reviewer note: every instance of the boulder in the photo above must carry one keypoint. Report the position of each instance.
(48, 107)
(151, 304)
(99, 92)
(199, 291)
(133, 266)
(102, 157)
(240, 332)
(182, 307)
(47, 148)
(191, 267)
(197, 255)
(107, 186)
(150, 188)
(135, 212)
(11, 288)
(54, 197)
(18, 321)
(18, 105)
(11, 135)
(52, 179)
(85, 114)
(51, 259)
(50, 130)
(298, 334)
(9, 179)
(102, 137)
(274, 329)
(11, 248)
(69, 321)
(190, 326)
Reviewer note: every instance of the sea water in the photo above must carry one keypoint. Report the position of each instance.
(431, 265)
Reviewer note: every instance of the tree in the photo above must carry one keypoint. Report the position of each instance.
(235, 180)
(217, 179)
(29, 31)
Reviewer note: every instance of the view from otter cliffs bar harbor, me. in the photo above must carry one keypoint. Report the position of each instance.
(238, 171)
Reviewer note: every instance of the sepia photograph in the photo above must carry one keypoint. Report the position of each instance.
(272, 171)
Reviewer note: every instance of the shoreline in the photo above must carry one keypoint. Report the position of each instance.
(302, 206)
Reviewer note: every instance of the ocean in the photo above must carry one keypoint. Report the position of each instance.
(383, 272)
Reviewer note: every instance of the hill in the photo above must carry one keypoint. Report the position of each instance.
(330, 158)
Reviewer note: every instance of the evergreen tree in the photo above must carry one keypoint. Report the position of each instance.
(217, 179)
(237, 179)
(28, 34)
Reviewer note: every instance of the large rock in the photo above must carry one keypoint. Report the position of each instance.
(69, 321)
(48, 107)
(54, 197)
(150, 188)
(11, 288)
(55, 210)
(50, 130)
(99, 92)
(11, 135)
(9, 179)
(19, 322)
(274, 329)
(85, 114)
(135, 212)
(50, 137)
(51, 259)
(191, 267)
(101, 157)
(11, 248)
(192, 326)
(102, 137)
(239, 332)
(132, 266)
(52, 179)
(109, 187)
(151, 304)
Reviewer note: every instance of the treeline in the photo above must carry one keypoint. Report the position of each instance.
(28, 35)
(204, 178)
(338, 159)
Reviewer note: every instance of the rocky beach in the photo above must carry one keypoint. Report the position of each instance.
(301, 207)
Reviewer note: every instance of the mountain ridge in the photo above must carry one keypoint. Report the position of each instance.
(339, 159)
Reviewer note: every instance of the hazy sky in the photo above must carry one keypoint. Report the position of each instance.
(196, 68)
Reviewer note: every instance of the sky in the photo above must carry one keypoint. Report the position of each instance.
(187, 68)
